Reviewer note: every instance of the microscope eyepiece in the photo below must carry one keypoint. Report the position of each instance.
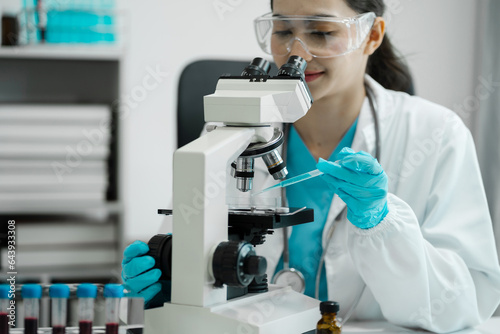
(258, 66)
(295, 66)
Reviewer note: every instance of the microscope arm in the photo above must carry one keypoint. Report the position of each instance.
(200, 217)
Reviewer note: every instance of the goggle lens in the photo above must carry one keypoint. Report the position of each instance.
(319, 37)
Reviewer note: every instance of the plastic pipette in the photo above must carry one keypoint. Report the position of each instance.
(293, 180)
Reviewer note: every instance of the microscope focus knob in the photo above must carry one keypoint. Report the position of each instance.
(255, 265)
(160, 249)
(236, 264)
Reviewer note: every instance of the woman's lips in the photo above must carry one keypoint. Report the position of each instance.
(311, 76)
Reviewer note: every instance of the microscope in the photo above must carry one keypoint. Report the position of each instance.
(218, 282)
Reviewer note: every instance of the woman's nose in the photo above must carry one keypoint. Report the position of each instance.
(298, 48)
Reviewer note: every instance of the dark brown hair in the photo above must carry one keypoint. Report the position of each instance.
(384, 65)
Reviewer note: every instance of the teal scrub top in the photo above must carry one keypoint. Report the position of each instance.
(305, 241)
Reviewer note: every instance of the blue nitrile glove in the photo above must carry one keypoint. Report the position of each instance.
(361, 183)
(137, 275)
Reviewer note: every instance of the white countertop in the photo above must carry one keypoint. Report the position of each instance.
(492, 326)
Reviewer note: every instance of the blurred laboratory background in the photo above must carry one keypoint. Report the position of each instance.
(88, 103)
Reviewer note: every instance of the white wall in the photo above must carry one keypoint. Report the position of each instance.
(437, 37)
(440, 41)
(9, 6)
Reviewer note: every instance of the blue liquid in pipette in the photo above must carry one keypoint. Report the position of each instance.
(293, 180)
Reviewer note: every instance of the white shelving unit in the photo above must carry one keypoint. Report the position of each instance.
(42, 51)
(54, 74)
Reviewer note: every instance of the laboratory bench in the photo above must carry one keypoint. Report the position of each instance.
(76, 330)
(492, 326)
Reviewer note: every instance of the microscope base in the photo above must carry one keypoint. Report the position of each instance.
(281, 310)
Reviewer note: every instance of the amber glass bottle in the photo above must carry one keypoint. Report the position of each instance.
(328, 323)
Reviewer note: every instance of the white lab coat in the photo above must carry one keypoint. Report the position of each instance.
(431, 263)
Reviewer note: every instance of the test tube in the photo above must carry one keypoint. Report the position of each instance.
(86, 294)
(31, 294)
(112, 295)
(59, 294)
(4, 308)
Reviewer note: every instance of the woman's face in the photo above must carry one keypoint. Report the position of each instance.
(326, 77)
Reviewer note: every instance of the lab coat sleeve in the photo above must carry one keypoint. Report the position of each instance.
(440, 273)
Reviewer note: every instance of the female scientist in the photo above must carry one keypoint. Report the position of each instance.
(402, 230)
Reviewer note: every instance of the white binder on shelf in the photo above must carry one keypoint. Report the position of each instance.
(53, 155)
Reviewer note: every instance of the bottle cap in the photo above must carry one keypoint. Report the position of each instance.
(86, 290)
(4, 291)
(113, 291)
(329, 307)
(59, 291)
(31, 291)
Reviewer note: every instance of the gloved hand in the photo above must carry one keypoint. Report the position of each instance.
(137, 275)
(361, 183)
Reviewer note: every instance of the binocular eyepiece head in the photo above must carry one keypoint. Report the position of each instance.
(294, 67)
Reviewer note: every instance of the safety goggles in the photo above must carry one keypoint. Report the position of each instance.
(322, 37)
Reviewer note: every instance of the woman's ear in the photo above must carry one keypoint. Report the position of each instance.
(375, 36)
